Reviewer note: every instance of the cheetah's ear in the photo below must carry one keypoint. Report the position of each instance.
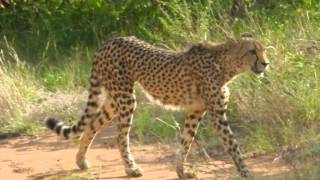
(246, 35)
(231, 40)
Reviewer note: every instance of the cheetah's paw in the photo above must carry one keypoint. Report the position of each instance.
(83, 164)
(183, 174)
(134, 172)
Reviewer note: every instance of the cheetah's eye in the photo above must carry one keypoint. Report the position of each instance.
(253, 51)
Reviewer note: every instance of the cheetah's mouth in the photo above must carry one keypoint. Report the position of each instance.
(257, 71)
(255, 68)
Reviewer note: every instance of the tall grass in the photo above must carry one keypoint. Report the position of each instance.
(50, 51)
(29, 93)
(17, 87)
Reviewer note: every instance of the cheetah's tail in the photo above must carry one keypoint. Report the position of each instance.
(62, 130)
(92, 110)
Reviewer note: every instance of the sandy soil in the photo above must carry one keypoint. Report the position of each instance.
(46, 157)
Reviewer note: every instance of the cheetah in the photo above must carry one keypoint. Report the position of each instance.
(195, 79)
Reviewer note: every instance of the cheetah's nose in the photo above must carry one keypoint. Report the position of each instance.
(265, 63)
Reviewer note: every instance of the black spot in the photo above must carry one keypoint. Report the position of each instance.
(66, 133)
(122, 115)
(101, 121)
(92, 126)
(130, 101)
(58, 129)
(74, 129)
(191, 133)
(224, 123)
(187, 125)
(235, 149)
(194, 126)
(51, 123)
(88, 116)
(124, 143)
(230, 142)
(112, 105)
(221, 112)
(98, 114)
(192, 116)
(124, 125)
(82, 119)
(225, 131)
(93, 104)
(106, 114)
(125, 96)
(81, 123)
(182, 141)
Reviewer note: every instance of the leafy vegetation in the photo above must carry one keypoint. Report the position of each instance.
(46, 47)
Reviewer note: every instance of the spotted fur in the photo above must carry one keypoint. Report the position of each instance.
(195, 80)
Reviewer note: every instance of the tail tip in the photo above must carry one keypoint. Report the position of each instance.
(51, 123)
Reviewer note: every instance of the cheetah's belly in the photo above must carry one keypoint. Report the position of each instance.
(171, 94)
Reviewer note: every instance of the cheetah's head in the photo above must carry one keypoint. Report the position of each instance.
(250, 55)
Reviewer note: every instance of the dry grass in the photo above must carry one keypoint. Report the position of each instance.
(15, 91)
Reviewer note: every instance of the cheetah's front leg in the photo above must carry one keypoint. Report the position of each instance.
(217, 113)
(189, 131)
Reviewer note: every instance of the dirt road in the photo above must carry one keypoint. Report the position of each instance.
(46, 157)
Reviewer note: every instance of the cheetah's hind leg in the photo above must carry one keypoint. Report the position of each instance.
(103, 117)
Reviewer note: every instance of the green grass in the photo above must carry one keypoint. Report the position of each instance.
(149, 121)
(46, 57)
(70, 176)
(25, 97)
